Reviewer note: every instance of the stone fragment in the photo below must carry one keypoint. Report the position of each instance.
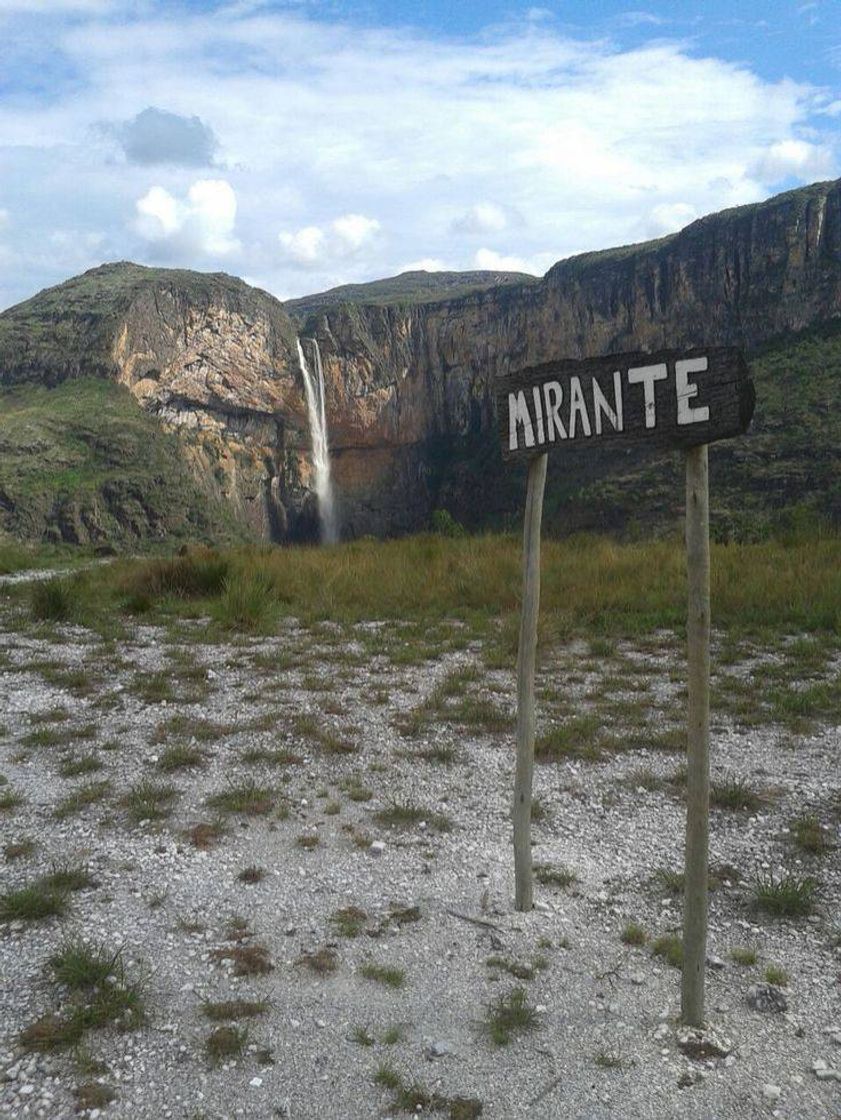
(767, 997)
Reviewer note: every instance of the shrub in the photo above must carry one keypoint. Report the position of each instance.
(444, 524)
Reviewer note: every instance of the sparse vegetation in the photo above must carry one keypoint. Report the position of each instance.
(149, 800)
(389, 975)
(222, 1011)
(508, 1015)
(745, 955)
(733, 792)
(248, 797)
(669, 948)
(225, 1043)
(349, 921)
(809, 835)
(633, 934)
(550, 875)
(786, 896)
(776, 975)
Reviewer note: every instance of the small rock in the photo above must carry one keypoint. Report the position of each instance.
(767, 997)
(438, 1050)
(256, 1082)
(715, 963)
(771, 1092)
(377, 847)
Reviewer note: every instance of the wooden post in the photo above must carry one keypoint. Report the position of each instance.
(523, 894)
(698, 737)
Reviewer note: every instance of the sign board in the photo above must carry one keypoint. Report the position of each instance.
(671, 398)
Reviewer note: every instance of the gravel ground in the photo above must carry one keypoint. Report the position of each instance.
(606, 1040)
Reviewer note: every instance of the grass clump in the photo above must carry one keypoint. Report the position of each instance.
(508, 1015)
(247, 603)
(402, 814)
(80, 966)
(225, 1043)
(582, 737)
(734, 793)
(633, 934)
(552, 875)
(100, 995)
(789, 896)
(251, 875)
(809, 835)
(10, 800)
(745, 955)
(389, 975)
(34, 903)
(774, 974)
(669, 948)
(248, 797)
(248, 960)
(180, 756)
(349, 921)
(54, 600)
(75, 766)
(322, 962)
(149, 800)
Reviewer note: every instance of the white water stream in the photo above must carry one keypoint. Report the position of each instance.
(314, 392)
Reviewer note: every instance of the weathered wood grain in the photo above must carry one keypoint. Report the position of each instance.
(668, 398)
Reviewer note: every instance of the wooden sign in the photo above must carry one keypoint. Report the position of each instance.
(671, 398)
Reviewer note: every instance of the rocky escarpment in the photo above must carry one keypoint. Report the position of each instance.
(410, 387)
(214, 359)
(410, 371)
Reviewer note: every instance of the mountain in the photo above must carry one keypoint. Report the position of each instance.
(408, 287)
(410, 366)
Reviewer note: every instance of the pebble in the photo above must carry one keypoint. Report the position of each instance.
(377, 847)
(771, 1092)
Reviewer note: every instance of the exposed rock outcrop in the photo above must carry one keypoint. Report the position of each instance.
(410, 384)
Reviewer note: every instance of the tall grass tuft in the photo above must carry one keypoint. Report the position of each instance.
(54, 600)
(197, 574)
(247, 603)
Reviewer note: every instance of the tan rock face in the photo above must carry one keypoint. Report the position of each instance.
(408, 385)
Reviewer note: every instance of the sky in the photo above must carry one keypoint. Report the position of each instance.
(302, 145)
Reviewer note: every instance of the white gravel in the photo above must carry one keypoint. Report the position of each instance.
(607, 1041)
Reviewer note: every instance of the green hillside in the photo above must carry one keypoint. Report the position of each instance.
(83, 463)
(408, 287)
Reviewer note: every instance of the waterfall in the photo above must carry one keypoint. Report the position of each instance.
(314, 392)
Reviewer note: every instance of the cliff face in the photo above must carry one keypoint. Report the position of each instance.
(212, 358)
(410, 385)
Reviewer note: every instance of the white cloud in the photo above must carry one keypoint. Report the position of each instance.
(425, 264)
(203, 222)
(484, 217)
(492, 261)
(669, 217)
(354, 230)
(345, 236)
(794, 158)
(4, 217)
(524, 142)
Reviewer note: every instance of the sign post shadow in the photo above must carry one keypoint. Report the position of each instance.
(673, 398)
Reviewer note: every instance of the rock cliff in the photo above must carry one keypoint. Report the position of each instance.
(410, 377)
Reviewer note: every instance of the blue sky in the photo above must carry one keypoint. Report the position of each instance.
(303, 145)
